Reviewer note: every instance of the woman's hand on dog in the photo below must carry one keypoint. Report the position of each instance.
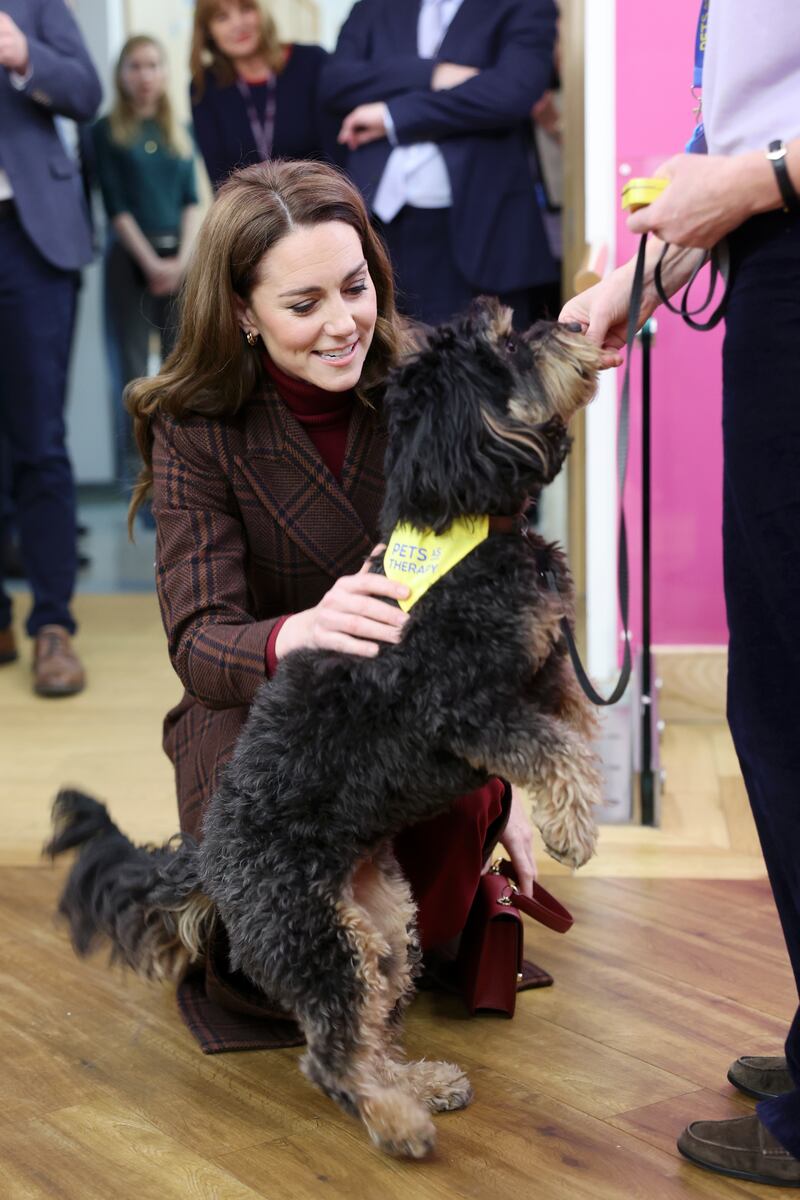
(352, 617)
(517, 840)
(602, 312)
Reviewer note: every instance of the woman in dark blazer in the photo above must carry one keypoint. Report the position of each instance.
(252, 97)
(263, 442)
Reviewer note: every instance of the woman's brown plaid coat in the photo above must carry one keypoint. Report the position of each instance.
(251, 525)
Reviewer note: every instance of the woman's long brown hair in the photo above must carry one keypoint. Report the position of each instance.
(205, 56)
(212, 371)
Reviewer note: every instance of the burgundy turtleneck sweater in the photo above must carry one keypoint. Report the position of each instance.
(325, 416)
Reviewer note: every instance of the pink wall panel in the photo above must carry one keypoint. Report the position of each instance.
(654, 119)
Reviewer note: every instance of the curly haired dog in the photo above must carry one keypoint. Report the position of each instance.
(341, 752)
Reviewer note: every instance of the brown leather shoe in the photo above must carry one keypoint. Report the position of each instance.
(57, 670)
(761, 1078)
(8, 646)
(742, 1148)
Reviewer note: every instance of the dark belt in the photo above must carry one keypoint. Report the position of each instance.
(7, 209)
(164, 243)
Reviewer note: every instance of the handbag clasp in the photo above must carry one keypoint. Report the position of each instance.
(511, 889)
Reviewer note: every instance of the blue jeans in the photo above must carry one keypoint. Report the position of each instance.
(761, 536)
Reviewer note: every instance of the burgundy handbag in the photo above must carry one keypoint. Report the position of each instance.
(490, 964)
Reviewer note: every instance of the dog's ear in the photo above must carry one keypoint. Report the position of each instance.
(435, 466)
(454, 449)
(456, 446)
(538, 451)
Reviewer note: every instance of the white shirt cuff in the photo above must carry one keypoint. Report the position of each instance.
(389, 124)
(18, 81)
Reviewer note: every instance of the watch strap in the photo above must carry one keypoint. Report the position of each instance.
(776, 153)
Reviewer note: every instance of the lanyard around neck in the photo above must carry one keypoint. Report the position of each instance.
(263, 130)
(697, 142)
(701, 36)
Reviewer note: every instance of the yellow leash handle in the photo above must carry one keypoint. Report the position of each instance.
(638, 193)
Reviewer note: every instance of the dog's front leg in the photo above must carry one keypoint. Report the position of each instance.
(352, 1052)
(556, 767)
(384, 896)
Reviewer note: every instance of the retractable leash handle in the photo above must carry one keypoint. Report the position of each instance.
(636, 194)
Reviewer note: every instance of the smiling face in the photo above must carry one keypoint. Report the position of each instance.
(314, 305)
(236, 30)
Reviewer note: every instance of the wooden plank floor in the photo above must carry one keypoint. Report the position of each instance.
(104, 1093)
(674, 966)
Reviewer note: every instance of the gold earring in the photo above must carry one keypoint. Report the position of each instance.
(252, 337)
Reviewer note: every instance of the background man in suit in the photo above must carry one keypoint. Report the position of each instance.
(435, 97)
(44, 241)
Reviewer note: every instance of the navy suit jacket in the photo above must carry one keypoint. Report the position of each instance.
(48, 190)
(482, 126)
(222, 128)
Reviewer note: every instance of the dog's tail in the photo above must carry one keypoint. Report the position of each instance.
(146, 900)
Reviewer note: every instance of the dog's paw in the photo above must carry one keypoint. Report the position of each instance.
(398, 1123)
(573, 846)
(440, 1086)
(564, 813)
(565, 856)
(572, 853)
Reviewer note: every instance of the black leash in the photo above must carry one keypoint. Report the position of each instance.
(720, 264)
(720, 260)
(623, 575)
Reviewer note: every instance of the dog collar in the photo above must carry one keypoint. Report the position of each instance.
(419, 558)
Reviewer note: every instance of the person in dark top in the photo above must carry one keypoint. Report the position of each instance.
(434, 99)
(146, 175)
(252, 97)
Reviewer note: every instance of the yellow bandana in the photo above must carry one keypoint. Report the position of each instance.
(419, 559)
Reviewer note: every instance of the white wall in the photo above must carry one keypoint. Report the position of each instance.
(89, 420)
(601, 416)
(332, 16)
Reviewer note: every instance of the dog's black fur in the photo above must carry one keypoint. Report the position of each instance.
(341, 752)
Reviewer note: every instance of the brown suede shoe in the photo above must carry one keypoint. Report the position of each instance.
(743, 1148)
(761, 1078)
(57, 670)
(8, 646)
